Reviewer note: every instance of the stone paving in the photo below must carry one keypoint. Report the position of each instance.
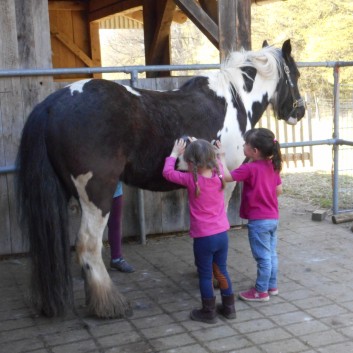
(312, 313)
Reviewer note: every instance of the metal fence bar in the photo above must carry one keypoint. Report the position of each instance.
(336, 107)
(141, 68)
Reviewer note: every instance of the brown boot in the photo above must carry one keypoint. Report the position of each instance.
(208, 312)
(227, 308)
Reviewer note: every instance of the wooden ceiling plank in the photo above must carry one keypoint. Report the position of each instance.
(201, 19)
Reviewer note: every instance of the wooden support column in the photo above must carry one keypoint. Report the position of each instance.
(234, 24)
(25, 44)
(157, 19)
(95, 46)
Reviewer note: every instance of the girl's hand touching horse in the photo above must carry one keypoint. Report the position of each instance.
(221, 156)
(179, 148)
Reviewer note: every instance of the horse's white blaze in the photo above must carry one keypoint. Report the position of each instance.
(131, 90)
(78, 86)
(89, 242)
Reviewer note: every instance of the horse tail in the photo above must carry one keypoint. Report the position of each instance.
(42, 206)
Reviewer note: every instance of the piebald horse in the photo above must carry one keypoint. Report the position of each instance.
(85, 137)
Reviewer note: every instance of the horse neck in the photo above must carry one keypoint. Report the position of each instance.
(257, 100)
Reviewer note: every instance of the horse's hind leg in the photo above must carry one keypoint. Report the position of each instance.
(103, 298)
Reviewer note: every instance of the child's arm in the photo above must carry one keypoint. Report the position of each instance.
(221, 156)
(279, 190)
(169, 171)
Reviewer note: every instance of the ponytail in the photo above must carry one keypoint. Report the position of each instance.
(277, 156)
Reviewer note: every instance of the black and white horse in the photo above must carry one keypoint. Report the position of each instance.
(85, 137)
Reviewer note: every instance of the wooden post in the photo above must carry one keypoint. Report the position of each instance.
(234, 20)
(25, 43)
(95, 47)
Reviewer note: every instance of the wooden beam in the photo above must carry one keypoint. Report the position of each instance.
(103, 8)
(211, 8)
(342, 217)
(157, 18)
(201, 19)
(234, 26)
(64, 39)
(161, 36)
(95, 47)
(67, 6)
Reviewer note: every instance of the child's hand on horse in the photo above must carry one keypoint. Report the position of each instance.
(218, 149)
(179, 148)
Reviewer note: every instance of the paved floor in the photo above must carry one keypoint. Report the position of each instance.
(313, 312)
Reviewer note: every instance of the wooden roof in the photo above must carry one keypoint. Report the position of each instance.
(226, 23)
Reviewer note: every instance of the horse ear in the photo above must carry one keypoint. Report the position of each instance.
(286, 49)
(265, 43)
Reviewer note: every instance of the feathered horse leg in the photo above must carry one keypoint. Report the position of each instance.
(102, 296)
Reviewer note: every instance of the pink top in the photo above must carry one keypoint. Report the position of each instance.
(259, 198)
(207, 211)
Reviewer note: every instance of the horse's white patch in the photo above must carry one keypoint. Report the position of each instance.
(78, 86)
(232, 139)
(292, 121)
(182, 165)
(89, 242)
(131, 90)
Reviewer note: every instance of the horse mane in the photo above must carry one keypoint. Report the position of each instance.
(266, 61)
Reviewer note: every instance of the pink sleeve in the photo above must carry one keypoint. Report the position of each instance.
(173, 175)
(240, 174)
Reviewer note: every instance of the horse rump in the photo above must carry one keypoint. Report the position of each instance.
(42, 207)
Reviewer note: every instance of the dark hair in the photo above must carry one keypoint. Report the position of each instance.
(201, 154)
(264, 140)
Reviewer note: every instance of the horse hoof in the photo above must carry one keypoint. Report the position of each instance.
(110, 304)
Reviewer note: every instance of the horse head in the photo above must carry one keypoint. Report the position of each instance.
(287, 102)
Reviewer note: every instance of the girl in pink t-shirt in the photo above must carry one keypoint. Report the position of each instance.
(208, 223)
(261, 186)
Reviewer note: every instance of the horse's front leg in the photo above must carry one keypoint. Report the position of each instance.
(102, 296)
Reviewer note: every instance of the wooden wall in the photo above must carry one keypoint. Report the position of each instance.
(74, 41)
(24, 43)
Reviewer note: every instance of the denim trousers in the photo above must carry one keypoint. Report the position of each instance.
(211, 258)
(263, 243)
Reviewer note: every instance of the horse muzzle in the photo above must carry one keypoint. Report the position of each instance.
(297, 112)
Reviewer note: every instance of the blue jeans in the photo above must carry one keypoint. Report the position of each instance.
(211, 257)
(263, 243)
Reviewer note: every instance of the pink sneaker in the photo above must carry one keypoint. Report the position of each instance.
(252, 295)
(273, 291)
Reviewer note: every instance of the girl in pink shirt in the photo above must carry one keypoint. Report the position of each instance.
(259, 204)
(208, 223)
